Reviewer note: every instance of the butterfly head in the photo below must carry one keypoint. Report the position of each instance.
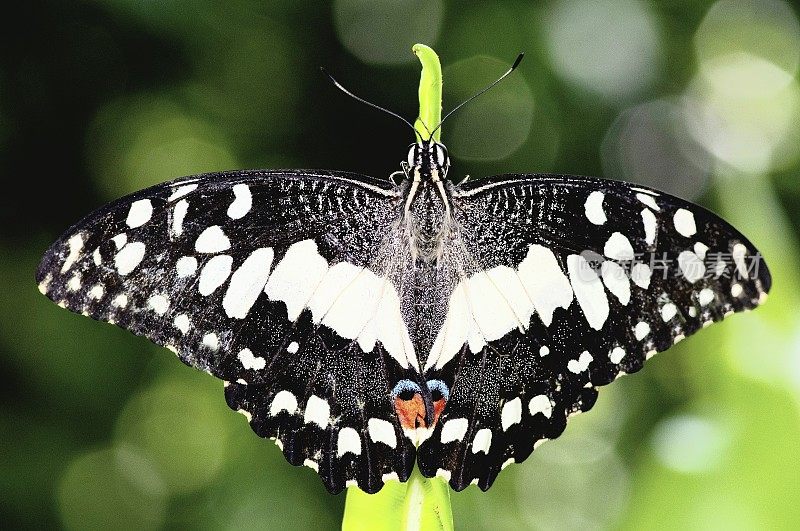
(429, 158)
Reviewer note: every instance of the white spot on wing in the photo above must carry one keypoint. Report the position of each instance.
(182, 191)
(97, 292)
(736, 289)
(348, 441)
(541, 404)
(618, 247)
(211, 341)
(641, 330)
(684, 222)
(691, 266)
(296, 277)
(482, 441)
(247, 283)
(129, 257)
(616, 281)
(544, 351)
(140, 213)
(482, 308)
(616, 355)
(74, 283)
(75, 244)
(185, 266)
(178, 215)
(251, 362)
(489, 304)
(700, 249)
(382, 431)
(544, 282)
(121, 300)
(640, 274)
(445, 474)
(357, 304)
(212, 240)
(594, 208)
(650, 225)
(293, 347)
(649, 201)
(182, 322)
(668, 311)
(317, 411)
(158, 303)
(454, 430)
(739, 251)
(120, 240)
(43, 285)
(283, 401)
(214, 274)
(581, 364)
(242, 203)
(588, 290)
(511, 414)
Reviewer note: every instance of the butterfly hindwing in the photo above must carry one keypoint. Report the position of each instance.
(571, 282)
(240, 274)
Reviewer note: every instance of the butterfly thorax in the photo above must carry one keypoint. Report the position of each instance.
(427, 205)
(427, 223)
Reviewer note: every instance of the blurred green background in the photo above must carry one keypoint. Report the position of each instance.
(99, 98)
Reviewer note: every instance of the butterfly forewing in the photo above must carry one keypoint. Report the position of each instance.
(568, 283)
(242, 275)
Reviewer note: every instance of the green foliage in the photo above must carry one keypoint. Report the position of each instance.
(418, 504)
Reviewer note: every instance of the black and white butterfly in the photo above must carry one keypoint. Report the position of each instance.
(366, 325)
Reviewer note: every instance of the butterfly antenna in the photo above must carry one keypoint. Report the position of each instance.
(485, 89)
(362, 100)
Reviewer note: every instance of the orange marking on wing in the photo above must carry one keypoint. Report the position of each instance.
(438, 407)
(410, 412)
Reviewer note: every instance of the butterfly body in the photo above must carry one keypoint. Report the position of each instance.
(366, 326)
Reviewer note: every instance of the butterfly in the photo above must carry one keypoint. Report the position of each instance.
(367, 325)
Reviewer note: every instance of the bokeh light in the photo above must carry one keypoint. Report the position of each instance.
(136, 143)
(183, 430)
(496, 124)
(608, 47)
(745, 99)
(650, 144)
(382, 32)
(691, 444)
(583, 467)
(111, 488)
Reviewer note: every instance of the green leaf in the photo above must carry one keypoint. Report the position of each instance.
(419, 504)
(430, 93)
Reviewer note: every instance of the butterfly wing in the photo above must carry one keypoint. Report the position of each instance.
(572, 282)
(249, 276)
